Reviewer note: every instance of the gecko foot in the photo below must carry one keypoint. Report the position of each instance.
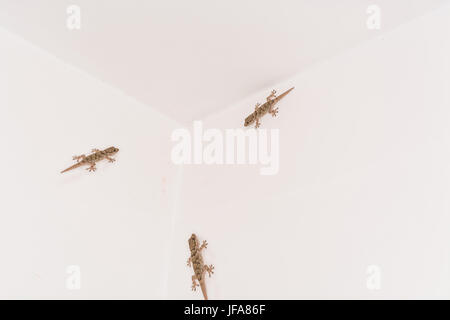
(92, 168)
(274, 112)
(209, 269)
(189, 262)
(111, 159)
(204, 245)
(194, 284)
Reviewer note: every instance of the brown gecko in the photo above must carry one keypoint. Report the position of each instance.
(197, 264)
(267, 107)
(93, 158)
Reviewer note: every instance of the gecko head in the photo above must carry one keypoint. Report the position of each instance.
(112, 150)
(249, 120)
(192, 241)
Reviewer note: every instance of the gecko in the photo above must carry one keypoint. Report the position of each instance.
(197, 264)
(267, 107)
(96, 156)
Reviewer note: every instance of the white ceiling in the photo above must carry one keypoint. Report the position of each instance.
(192, 58)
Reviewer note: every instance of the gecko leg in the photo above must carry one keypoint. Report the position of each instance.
(92, 167)
(257, 124)
(274, 112)
(110, 159)
(272, 95)
(208, 269)
(79, 157)
(194, 283)
(189, 262)
(203, 246)
(256, 116)
(95, 150)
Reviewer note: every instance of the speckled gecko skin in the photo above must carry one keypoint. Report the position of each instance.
(93, 158)
(197, 264)
(267, 107)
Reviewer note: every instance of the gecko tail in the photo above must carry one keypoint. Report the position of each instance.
(281, 96)
(203, 287)
(76, 165)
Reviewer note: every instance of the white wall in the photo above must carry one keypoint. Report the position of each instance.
(363, 180)
(114, 223)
